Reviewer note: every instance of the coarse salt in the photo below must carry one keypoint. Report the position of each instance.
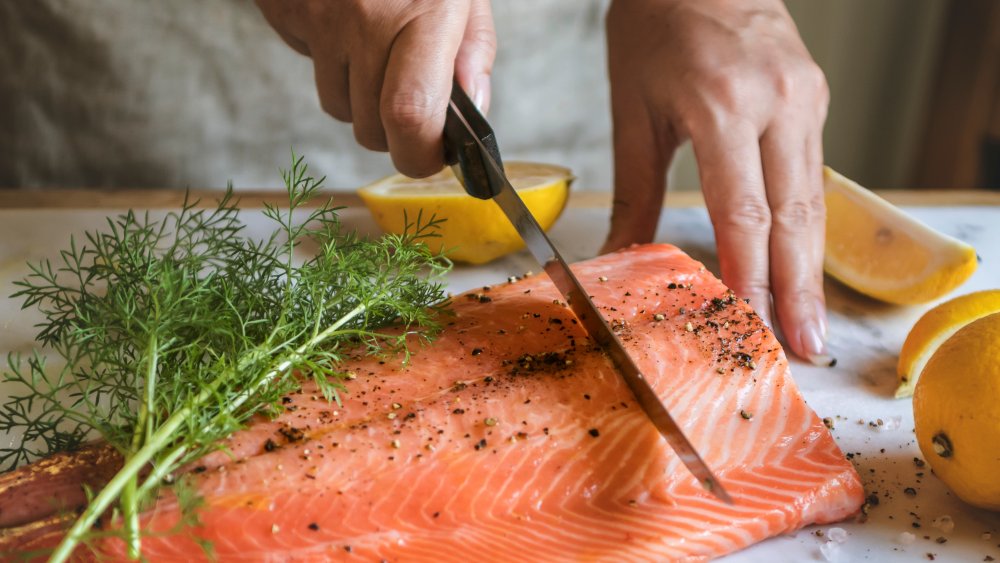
(906, 538)
(891, 423)
(838, 535)
(830, 551)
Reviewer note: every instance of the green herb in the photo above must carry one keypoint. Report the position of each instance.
(173, 332)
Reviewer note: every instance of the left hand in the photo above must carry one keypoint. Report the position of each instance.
(735, 79)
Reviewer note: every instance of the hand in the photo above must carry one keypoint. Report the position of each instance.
(387, 66)
(735, 79)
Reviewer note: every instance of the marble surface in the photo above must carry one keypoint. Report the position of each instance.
(865, 338)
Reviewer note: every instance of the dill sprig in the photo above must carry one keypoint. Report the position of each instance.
(173, 332)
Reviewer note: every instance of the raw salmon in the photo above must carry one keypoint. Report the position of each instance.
(512, 438)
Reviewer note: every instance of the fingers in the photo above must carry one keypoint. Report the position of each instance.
(331, 85)
(417, 88)
(642, 153)
(365, 76)
(388, 68)
(732, 180)
(793, 175)
(476, 54)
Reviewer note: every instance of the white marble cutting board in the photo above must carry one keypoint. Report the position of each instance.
(865, 338)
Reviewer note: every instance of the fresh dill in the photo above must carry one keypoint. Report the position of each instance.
(173, 332)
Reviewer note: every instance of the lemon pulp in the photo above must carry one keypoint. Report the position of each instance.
(474, 231)
(934, 328)
(880, 251)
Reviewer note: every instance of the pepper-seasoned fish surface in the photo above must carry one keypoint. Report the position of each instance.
(512, 438)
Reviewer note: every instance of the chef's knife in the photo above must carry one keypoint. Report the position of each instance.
(472, 151)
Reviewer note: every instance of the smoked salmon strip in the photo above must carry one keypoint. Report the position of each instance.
(512, 438)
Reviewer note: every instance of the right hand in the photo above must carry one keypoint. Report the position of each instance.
(387, 66)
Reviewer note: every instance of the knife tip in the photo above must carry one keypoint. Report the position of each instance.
(713, 486)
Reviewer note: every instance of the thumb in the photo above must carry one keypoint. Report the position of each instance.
(474, 62)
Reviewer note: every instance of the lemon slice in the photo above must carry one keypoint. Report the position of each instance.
(877, 249)
(475, 230)
(956, 414)
(934, 328)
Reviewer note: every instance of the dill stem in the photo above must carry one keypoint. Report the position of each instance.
(160, 471)
(163, 436)
(130, 514)
(127, 473)
(143, 429)
(297, 355)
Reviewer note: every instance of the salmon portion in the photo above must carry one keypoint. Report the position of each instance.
(512, 438)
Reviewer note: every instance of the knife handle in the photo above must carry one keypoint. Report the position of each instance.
(466, 135)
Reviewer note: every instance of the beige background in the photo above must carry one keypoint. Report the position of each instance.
(192, 94)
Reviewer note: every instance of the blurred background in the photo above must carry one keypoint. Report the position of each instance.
(108, 93)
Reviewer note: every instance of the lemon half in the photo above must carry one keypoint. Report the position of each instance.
(934, 328)
(879, 250)
(475, 230)
(957, 414)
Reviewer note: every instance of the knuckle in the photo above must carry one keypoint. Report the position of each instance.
(409, 110)
(799, 298)
(787, 84)
(800, 214)
(805, 80)
(727, 89)
(747, 214)
(821, 87)
(816, 78)
(482, 39)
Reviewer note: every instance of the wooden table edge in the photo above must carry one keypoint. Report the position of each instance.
(172, 198)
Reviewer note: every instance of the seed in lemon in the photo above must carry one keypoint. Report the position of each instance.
(475, 230)
(956, 412)
(879, 250)
(934, 328)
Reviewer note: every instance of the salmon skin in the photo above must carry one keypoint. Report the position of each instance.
(512, 438)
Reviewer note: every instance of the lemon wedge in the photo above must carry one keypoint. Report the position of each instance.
(877, 249)
(956, 413)
(934, 328)
(475, 230)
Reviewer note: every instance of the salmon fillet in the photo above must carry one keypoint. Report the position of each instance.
(512, 438)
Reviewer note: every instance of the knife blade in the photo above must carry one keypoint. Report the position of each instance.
(472, 151)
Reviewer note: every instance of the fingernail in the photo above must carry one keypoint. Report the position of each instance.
(814, 343)
(482, 87)
(765, 316)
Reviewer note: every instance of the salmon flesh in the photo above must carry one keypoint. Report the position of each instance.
(512, 438)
